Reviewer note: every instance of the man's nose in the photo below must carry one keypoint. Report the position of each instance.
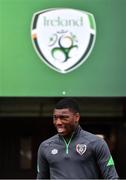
(58, 121)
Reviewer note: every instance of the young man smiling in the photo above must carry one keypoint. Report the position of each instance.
(73, 153)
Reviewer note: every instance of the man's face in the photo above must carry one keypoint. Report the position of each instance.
(65, 121)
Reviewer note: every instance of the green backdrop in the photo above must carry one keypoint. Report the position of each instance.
(22, 73)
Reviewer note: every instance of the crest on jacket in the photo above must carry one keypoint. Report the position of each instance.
(81, 148)
(63, 38)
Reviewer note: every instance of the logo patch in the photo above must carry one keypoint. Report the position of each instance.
(110, 162)
(81, 148)
(63, 38)
(54, 151)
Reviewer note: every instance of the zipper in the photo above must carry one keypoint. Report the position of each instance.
(67, 144)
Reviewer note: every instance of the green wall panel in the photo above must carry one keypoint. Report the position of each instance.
(22, 73)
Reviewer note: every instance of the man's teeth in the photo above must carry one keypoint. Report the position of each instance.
(60, 129)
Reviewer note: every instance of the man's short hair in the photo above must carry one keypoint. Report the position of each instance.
(69, 103)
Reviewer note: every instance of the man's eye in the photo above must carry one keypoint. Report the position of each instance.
(61, 117)
(64, 117)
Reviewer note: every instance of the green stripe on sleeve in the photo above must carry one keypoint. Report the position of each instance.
(110, 162)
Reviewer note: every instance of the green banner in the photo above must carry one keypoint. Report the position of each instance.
(30, 67)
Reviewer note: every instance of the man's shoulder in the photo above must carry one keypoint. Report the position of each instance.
(90, 137)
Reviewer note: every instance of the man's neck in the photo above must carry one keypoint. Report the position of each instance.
(68, 137)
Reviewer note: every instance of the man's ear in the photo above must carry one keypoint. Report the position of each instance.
(77, 117)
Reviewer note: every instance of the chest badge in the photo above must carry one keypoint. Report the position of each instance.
(54, 151)
(81, 148)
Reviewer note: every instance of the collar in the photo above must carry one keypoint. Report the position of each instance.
(77, 130)
(75, 133)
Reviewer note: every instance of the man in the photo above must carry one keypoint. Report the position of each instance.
(73, 153)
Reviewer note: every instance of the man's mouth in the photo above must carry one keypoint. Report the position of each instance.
(60, 129)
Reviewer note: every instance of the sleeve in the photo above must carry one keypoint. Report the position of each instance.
(105, 160)
(42, 164)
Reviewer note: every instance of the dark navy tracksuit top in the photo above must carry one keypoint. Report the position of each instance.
(83, 157)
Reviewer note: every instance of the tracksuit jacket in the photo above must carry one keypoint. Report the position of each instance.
(85, 156)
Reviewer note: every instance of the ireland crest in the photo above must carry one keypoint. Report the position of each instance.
(81, 148)
(63, 38)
